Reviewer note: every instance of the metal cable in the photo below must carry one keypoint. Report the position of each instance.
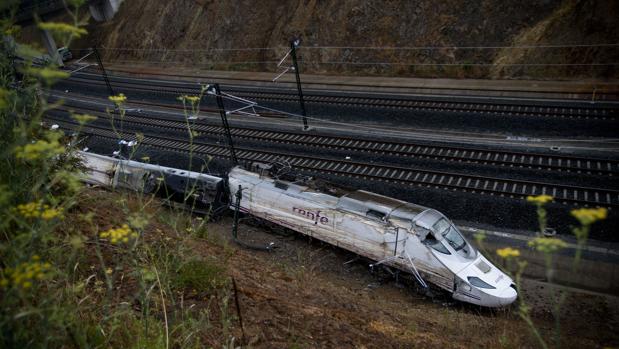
(389, 48)
(193, 64)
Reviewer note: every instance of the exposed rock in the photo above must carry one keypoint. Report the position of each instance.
(152, 30)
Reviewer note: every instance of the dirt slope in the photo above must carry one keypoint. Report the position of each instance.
(307, 294)
(149, 29)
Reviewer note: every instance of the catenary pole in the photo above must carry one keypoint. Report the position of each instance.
(293, 47)
(103, 73)
(224, 121)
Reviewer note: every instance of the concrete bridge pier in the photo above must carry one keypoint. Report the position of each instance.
(103, 10)
(52, 49)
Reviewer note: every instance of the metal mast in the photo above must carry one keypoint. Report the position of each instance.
(293, 52)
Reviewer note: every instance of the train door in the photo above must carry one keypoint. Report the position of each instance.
(394, 241)
(422, 249)
(366, 235)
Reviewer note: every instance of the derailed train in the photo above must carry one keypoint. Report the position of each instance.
(406, 236)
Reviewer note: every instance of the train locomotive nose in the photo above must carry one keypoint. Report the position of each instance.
(508, 296)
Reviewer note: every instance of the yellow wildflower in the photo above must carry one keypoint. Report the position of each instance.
(12, 30)
(62, 28)
(540, 199)
(547, 245)
(191, 99)
(25, 274)
(37, 209)
(30, 210)
(118, 100)
(51, 213)
(83, 119)
(41, 149)
(508, 252)
(587, 216)
(48, 74)
(122, 234)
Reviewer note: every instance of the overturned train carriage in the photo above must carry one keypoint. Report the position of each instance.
(409, 237)
(201, 191)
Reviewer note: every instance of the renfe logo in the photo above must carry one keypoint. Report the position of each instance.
(316, 217)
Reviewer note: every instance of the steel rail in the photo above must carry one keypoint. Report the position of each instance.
(565, 163)
(504, 109)
(385, 173)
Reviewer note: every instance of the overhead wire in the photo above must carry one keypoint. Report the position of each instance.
(411, 48)
(358, 63)
(353, 125)
(373, 129)
(368, 63)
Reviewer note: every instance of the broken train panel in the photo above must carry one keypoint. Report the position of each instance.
(193, 188)
(357, 221)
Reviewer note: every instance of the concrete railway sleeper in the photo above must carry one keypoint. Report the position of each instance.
(414, 177)
(502, 108)
(606, 167)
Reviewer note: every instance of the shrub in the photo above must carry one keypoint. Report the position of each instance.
(201, 275)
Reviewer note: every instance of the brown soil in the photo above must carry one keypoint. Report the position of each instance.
(305, 294)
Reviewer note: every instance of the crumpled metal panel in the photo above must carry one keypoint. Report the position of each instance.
(342, 225)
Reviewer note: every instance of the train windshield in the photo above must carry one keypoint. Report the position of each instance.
(452, 236)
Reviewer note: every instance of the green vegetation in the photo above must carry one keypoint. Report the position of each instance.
(201, 275)
(548, 247)
(73, 271)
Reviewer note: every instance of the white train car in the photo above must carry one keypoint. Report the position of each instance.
(406, 236)
(198, 189)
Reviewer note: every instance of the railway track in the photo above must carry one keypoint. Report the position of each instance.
(501, 108)
(386, 173)
(538, 161)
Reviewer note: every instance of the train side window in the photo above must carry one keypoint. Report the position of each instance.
(435, 244)
(281, 185)
(427, 238)
(379, 216)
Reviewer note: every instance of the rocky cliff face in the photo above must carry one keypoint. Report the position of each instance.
(203, 32)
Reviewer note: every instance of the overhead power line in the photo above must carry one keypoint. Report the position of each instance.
(189, 50)
(463, 64)
(459, 47)
(367, 63)
(386, 48)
